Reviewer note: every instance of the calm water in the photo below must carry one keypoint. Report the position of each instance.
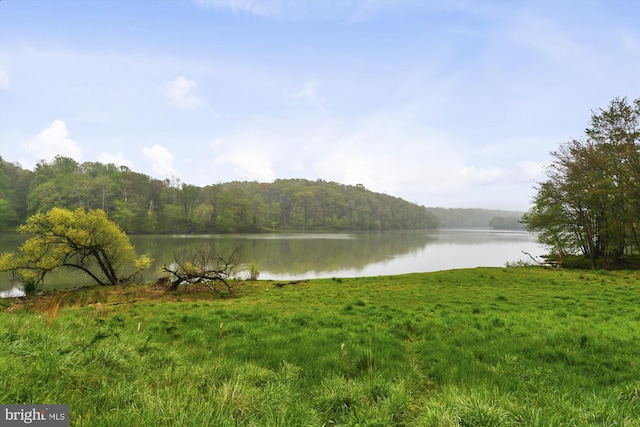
(298, 256)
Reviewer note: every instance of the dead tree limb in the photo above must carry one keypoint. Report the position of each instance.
(203, 267)
(551, 263)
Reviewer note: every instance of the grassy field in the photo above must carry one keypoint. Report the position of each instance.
(477, 347)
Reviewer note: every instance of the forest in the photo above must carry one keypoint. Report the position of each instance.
(141, 204)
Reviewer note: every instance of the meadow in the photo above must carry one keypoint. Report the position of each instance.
(471, 347)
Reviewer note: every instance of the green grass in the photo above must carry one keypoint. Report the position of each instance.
(478, 347)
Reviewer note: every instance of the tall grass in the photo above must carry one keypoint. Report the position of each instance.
(480, 347)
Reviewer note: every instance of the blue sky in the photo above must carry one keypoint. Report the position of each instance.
(449, 103)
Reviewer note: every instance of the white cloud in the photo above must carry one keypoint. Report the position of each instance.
(161, 159)
(261, 7)
(181, 93)
(357, 10)
(248, 166)
(117, 159)
(483, 176)
(52, 141)
(531, 171)
(247, 154)
(4, 79)
(371, 153)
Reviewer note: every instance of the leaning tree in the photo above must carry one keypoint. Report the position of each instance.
(80, 239)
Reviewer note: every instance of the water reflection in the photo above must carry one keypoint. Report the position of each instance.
(288, 256)
(285, 255)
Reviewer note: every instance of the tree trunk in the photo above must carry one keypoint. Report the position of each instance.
(174, 285)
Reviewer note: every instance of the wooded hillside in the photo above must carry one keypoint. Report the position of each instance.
(141, 204)
(499, 219)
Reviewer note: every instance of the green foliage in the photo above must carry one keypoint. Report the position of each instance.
(254, 273)
(8, 216)
(140, 204)
(14, 183)
(530, 347)
(590, 203)
(30, 286)
(79, 239)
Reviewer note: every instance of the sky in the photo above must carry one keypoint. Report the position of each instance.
(444, 103)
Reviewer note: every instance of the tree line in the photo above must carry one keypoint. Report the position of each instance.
(590, 202)
(494, 218)
(140, 204)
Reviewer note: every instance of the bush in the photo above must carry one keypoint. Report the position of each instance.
(254, 273)
(30, 287)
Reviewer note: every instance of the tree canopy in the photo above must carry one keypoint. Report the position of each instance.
(590, 203)
(79, 239)
(140, 204)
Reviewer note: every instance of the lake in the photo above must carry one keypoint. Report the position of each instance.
(282, 256)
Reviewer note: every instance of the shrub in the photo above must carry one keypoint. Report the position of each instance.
(30, 286)
(254, 273)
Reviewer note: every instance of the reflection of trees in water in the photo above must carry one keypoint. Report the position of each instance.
(301, 255)
(293, 254)
(297, 254)
(477, 236)
(60, 279)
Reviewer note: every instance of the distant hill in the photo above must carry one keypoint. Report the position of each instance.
(141, 204)
(499, 219)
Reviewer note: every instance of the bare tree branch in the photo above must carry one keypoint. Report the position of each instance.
(204, 267)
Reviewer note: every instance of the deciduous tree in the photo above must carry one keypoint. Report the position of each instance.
(79, 239)
(590, 202)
